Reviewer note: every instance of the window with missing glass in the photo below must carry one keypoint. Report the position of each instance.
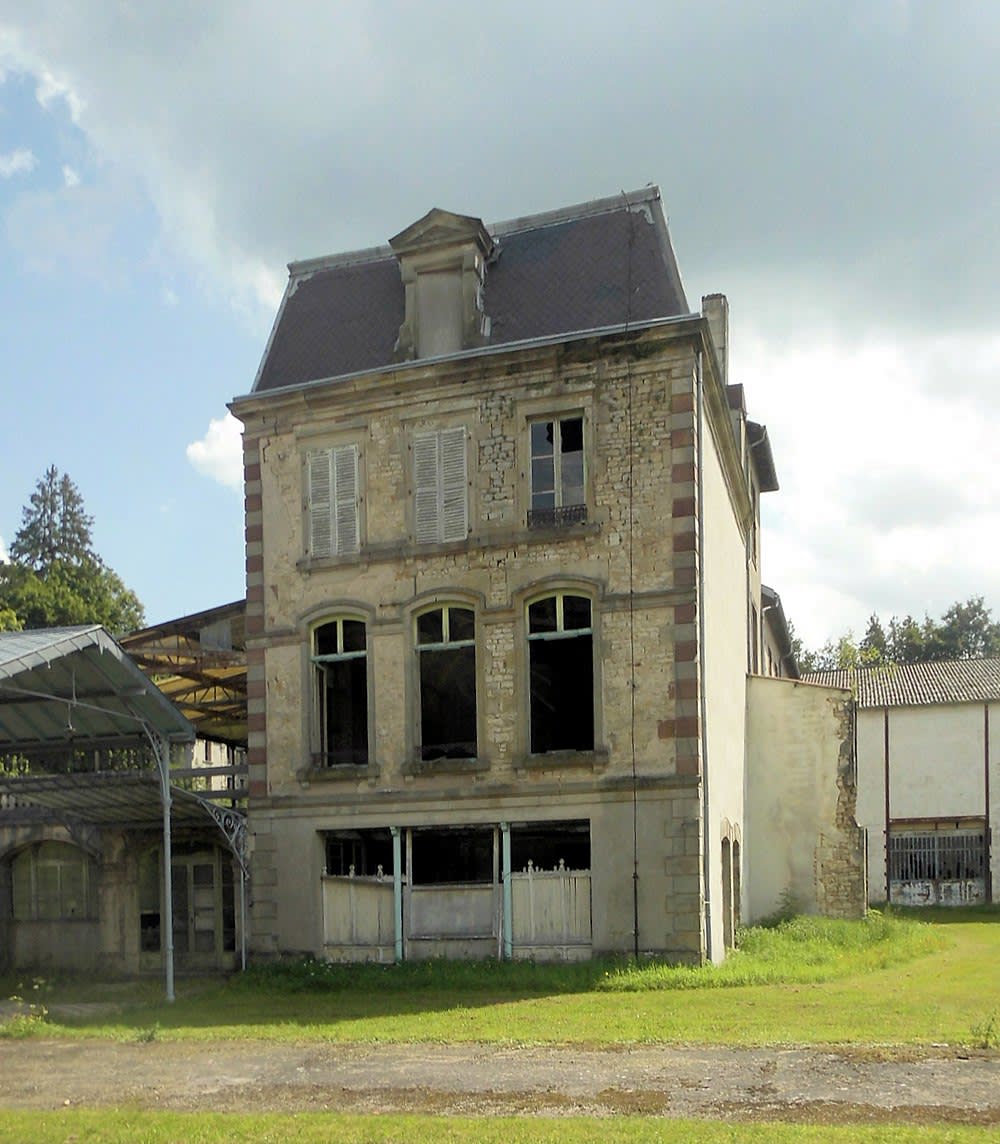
(53, 881)
(340, 667)
(561, 674)
(446, 662)
(557, 473)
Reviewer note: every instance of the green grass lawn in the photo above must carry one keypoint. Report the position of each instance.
(894, 980)
(118, 1127)
(906, 979)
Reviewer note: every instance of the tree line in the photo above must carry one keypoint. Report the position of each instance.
(54, 578)
(965, 631)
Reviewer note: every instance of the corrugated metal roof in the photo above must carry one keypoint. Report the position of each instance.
(918, 684)
(587, 267)
(120, 799)
(76, 686)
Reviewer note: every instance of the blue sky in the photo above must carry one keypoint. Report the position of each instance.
(833, 168)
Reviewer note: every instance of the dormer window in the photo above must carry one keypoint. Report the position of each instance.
(442, 261)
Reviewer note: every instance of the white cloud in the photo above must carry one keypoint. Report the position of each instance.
(889, 500)
(70, 177)
(19, 162)
(219, 454)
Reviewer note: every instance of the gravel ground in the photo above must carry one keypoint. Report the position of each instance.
(795, 1084)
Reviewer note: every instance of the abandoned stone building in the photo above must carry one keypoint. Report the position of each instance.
(503, 602)
(109, 780)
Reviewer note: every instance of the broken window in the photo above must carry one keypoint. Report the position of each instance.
(332, 500)
(363, 853)
(446, 658)
(546, 845)
(340, 664)
(557, 475)
(561, 670)
(53, 881)
(440, 483)
(463, 855)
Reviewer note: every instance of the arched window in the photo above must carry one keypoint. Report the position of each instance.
(53, 881)
(561, 673)
(446, 660)
(340, 665)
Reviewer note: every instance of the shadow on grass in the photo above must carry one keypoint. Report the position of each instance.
(302, 993)
(945, 915)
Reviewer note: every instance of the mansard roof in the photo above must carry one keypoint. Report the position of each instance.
(588, 267)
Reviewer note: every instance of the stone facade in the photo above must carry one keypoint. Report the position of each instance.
(666, 491)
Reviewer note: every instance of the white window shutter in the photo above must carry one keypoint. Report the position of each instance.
(332, 476)
(345, 472)
(319, 470)
(426, 499)
(454, 485)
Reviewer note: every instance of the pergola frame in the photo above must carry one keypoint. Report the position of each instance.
(75, 688)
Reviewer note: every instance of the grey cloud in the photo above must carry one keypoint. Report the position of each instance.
(852, 142)
(882, 500)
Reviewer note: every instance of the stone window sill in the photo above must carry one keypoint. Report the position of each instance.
(349, 772)
(595, 760)
(445, 766)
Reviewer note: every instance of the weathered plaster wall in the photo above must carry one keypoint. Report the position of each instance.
(937, 761)
(724, 670)
(803, 845)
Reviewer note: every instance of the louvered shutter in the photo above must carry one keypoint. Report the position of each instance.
(345, 475)
(319, 466)
(426, 502)
(333, 500)
(454, 485)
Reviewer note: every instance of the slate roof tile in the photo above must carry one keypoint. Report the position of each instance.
(582, 268)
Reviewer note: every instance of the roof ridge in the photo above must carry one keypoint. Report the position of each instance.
(516, 225)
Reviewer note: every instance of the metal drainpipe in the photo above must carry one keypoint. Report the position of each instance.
(397, 893)
(702, 705)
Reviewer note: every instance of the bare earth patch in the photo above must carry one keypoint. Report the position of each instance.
(792, 1084)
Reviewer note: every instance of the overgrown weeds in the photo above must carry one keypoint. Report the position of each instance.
(30, 1013)
(798, 950)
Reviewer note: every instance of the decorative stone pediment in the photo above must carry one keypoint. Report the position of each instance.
(442, 260)
(439, 229)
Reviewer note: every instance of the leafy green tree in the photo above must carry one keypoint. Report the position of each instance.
(55, 578)
(965, 631)
(874, 648)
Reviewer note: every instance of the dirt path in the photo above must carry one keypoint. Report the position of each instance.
(740, 1084)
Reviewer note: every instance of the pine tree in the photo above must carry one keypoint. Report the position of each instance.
(54, 577)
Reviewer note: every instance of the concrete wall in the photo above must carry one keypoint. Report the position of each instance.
(803, 844)
(938, 769)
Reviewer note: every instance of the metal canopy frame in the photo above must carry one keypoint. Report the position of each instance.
(199, 662)
(76, 688)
